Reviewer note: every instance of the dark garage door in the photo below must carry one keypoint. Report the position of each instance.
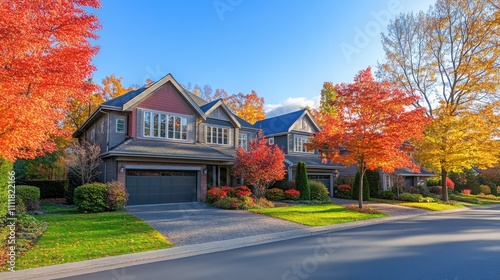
(161, 186)
(325, 179)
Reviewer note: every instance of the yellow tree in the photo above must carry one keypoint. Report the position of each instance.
(449, 57)
(249, 107)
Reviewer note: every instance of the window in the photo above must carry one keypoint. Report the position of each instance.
(243, 141)
(270, 141)
(120, 125)
(92, 134)
(159, 125)
(102, 127)
(299, 145)
(217, 135)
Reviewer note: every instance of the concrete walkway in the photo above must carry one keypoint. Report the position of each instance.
(389, 209)
(196, 223)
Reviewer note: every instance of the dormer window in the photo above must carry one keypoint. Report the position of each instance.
(299, 144)
(158, 125)
(217, 135)
(270, 141)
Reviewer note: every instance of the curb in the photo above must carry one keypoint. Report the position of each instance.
(116, 262)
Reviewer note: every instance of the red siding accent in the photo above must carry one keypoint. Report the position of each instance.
(132, 123)
(168, 99)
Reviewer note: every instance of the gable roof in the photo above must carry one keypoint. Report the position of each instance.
(283, 123)
(122, 99)
(210, 107)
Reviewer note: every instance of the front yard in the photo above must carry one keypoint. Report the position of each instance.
(432, 206)
(72, 237)
(317, 215)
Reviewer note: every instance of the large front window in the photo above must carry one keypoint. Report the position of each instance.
(243, 141)
(217, 135)
(299, 145)
(159, 125)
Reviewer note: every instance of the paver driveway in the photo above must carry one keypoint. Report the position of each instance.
(194, 223)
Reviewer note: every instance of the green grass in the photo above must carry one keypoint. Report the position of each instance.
(317, 215)
(432, 206)
(73, 237)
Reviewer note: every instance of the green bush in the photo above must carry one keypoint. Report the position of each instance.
(433, 181)
(387, 195)
(50, 188)
(91, 197)
(30, 196)
(275, 194)
(6, 175)
(411, 197)
(484, 189)
(424, 191)
(319, 191)
(355, 187)
(494, 189)
(301, 182)
(229, 203)
(373, 181)
(116, 196)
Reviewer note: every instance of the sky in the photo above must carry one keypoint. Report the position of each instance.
(283, 49)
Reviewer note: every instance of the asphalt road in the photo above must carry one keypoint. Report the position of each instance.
(454, 246)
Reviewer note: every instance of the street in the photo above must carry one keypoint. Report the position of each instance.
(453, 246)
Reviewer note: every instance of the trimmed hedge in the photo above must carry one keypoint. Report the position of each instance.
(319, 191)
(91, 197)
(301, 181)
(50, 188)
(275, 194)
(30, 197)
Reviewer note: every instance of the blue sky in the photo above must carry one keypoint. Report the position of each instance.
(282, 49)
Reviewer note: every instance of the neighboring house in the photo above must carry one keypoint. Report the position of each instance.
(167, 145)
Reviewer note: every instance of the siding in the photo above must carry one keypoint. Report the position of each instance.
(281, 141)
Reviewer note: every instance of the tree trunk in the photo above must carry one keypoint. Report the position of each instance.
(361, 175)
(444, 190)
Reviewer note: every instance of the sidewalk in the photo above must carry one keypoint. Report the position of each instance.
(117, 262)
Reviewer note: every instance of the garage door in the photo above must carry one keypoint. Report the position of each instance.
(161, 186)
(325, 179)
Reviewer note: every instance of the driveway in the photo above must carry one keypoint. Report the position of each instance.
(195, 223)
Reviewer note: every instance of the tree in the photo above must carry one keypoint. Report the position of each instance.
(369, 126)
(46, 61)
(83, 160)
(449, 57)
(249, 107)
(112, 87)
(373, 177)
(358, 186)
(302, 182)
(261, 165)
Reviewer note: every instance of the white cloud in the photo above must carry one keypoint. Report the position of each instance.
(289, 105)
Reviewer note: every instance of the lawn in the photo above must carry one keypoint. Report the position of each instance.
(432, 206)
(317, 215)
(73, 237)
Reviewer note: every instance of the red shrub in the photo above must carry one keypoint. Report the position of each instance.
(215, 194)
(436, 190)
(292, 194)
(466, 191)
(449, 183)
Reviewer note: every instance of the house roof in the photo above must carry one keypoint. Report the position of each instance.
(122, 99)
(244, 123)
(207, 106)
(166, 149)
(408, 172)
(312, 161)
(199, 101)
(282, 123)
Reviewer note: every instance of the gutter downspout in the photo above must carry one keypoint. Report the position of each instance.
(107, 146)
(289, 169)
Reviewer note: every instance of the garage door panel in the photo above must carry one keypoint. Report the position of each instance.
(149, 187)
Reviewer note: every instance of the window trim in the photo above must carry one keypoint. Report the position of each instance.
(270, 140)
(183, 127)
(224, 137)
(246, 141)
(124, 125)
(303, 139)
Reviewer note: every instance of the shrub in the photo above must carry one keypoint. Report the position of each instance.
(319, 191)
(243, 191)
(6, 176)
(494, 190)
(275, 194)
(436, 190)
(484, 189)
(116, 196)
(387, 195)
(466, 191)
(449, 183)
(433, 181)
(292, 194)
(214, 195)
(411, 197)
(373, 181)
(263, 203)
(228, 203)
(411, 189)
(423, 190)
(355, 188)
(91, 197)
(301, 182)
(30, 196)
(428, 199)
(50, 188)
(344, 191)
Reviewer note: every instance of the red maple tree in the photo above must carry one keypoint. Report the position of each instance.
(261, 165)
(45, 62)
(367, 124)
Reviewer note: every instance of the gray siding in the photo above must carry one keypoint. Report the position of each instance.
(282, 142)
(304, 124)
(116, 138)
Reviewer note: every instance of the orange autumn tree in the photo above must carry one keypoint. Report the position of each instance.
(366, 124)
(45, 61)
(249, 107)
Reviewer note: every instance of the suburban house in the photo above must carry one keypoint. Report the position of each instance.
(167, 145)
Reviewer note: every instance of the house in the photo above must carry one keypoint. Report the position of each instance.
(167, 145)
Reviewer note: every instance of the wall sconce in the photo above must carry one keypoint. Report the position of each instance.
(204, 171)
(122, 168)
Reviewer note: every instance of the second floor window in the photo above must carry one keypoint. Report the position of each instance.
(165, 126)
(217, 135)
(243, 141)
(299, 145)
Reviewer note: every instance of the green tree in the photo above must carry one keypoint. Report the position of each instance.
(373, 181)
(366, 187)
(301, 181)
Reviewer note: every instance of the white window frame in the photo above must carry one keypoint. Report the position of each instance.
(270, 141)
(298, 145)
(124, 124)
(179, 126)
(218, 135)
(242, 141)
